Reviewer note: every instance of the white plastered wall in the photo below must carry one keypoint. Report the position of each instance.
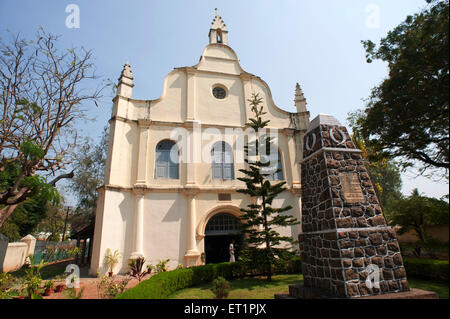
(187, 95)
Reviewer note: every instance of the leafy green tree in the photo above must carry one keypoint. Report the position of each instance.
(265, 246)
(386, 177)
(407, 115)
(25, 218)
(53, 222)
(42, 92)
(416, 213)
(89, 165)
(384, 173)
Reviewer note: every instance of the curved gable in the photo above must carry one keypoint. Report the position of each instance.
(219, 58)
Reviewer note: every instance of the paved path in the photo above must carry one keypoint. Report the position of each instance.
(88, 284)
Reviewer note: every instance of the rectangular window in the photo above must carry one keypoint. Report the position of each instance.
(224, 197)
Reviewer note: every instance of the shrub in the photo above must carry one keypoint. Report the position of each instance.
(111, 259)
(221, 288)
(163, 284)
(32, 284)
(109, 287)
(160, 286)
(7, 281)
(161, 266)
(59, 252)
(426, 268)
(136, 266)
(49, 284)
(72, 293)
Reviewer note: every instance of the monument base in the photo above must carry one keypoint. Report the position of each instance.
(302, 292)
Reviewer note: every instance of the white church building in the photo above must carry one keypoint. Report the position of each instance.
(171, 175)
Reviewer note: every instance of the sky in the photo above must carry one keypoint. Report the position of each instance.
(314, 43)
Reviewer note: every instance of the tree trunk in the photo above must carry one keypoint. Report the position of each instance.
(268, 248)
(5, 212)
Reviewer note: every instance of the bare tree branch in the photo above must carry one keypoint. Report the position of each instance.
(43, 90)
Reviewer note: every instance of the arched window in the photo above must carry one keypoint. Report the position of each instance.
(166, 166)
(223, 224)
(222, 161)
(275, 170)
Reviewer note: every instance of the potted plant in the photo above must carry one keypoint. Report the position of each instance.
(48, 287)
(111, 260)
(60, 287)
(150, 268)
(60, 284)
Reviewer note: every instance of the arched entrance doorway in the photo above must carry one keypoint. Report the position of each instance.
(220, 231)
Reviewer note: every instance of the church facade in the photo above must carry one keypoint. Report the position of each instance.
(171, 175)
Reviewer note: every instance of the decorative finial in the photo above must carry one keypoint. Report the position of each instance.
(300, 100)
(127, 70)
(125, 85)
(298, 92)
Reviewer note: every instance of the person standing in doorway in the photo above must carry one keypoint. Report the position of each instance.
(232, 259)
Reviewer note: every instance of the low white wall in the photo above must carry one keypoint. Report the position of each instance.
(13, 255)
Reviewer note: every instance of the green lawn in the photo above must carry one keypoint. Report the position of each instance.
(259, 288)
(247, 288)
(440, 287)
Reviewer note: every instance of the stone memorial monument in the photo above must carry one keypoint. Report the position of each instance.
(347, 249)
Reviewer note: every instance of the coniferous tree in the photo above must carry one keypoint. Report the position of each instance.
(265, 246)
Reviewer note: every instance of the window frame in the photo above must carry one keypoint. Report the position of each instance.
(167, 164)
(223, 166)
